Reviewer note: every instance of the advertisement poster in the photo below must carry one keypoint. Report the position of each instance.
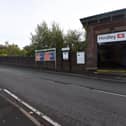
(65, 55)
(45, 56)
(80, 57)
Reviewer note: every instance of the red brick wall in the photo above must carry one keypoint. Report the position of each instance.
(92, 31)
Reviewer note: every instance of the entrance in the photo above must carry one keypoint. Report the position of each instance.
(112, 55)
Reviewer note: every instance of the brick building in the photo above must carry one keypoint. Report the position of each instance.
(106, 38)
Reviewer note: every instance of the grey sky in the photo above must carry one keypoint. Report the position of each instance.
(18, 18)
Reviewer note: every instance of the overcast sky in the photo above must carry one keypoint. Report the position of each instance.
(18, 18)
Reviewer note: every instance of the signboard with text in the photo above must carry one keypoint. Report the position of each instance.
(45, 55)
(80, 57)
(65, 55)
(112, 37)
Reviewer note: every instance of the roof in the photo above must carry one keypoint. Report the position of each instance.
(104, 16)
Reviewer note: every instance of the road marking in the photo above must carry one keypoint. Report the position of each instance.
(50, 120)
(11, 94)
(29, 116)
(42, 115)
(110, 93)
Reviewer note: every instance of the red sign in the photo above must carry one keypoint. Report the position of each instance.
(47, 56)
(121, 35)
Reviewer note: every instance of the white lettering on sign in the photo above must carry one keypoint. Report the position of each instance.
(112, 37)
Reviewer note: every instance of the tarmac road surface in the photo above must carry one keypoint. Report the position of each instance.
(71, 101)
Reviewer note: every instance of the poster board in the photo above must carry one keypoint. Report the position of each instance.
(45, 55)
(80, 57)
(65, 55)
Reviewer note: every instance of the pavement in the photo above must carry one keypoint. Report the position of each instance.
(69, 99)
(11, 115)
(114, 76)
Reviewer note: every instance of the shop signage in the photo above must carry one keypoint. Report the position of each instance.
(112, 37)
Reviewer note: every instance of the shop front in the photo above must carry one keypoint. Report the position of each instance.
(106, 40)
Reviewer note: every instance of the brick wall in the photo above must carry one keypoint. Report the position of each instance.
(64, 66)
(100, 28)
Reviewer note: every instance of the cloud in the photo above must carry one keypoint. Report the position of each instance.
(20, 17)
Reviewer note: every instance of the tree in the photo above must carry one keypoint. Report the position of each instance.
(3, 52)
(41, 38)
(57, 37)
(29, 50)
(74, 41)
(11, 50)
(46, 37)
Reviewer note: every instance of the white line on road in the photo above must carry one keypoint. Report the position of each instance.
(48, 119)
(110, 93)
(11, 94)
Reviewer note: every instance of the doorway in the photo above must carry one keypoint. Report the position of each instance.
(112, 55)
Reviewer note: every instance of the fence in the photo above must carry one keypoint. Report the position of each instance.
(61, 65)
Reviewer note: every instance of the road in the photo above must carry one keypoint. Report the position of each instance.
(71, 101)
